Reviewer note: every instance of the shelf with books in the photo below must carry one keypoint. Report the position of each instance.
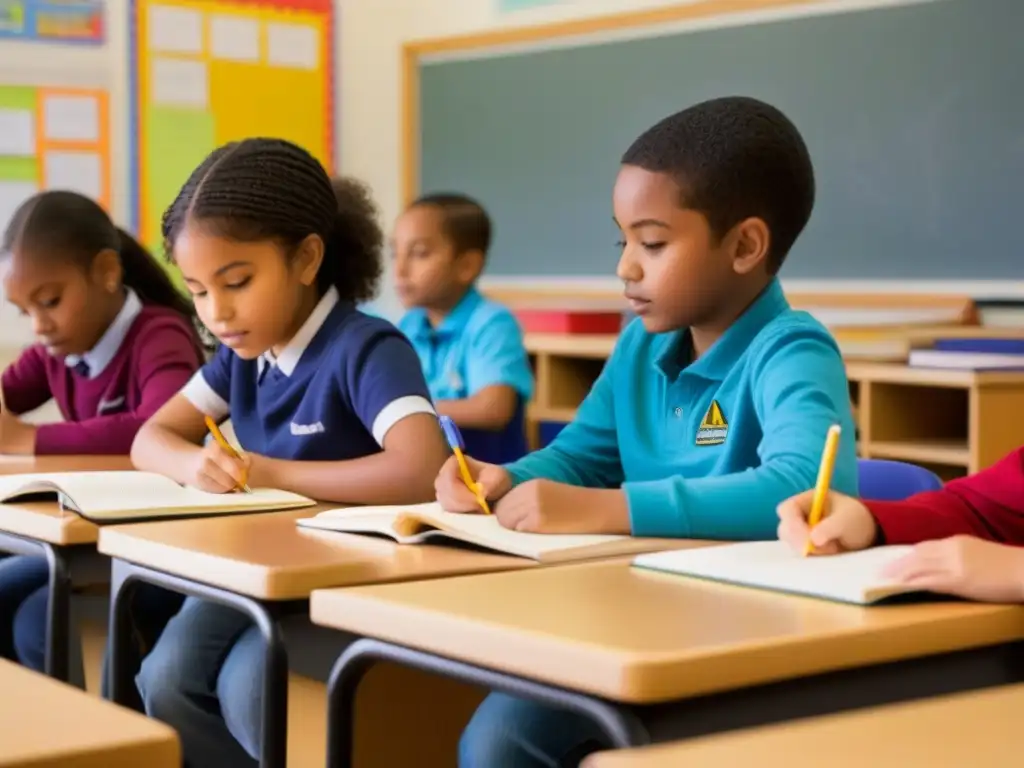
(952, 421)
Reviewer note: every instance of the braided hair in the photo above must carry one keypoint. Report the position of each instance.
(73, 226)
(270, 189)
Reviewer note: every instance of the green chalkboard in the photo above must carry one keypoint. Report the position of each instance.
(914, 116)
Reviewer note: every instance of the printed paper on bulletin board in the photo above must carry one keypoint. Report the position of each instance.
(212, 71)
(54, 21)
(52, 138)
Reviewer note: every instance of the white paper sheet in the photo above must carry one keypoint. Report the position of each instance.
(17, 133)
(175, 30)
(296, 46)
(77, 171)
(180, 83)
(234, 38)
(12, 195)
(71, 118)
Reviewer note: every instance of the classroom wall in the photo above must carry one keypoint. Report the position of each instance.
(372, 34)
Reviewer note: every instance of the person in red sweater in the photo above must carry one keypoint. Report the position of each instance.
(116, 341)
(969, 535)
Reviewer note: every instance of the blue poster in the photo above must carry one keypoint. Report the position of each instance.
(60, 21)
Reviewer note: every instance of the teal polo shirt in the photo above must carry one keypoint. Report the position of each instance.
(479, 344)
(708, 448)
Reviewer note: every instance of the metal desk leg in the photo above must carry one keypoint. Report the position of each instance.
(620, 724)
(58, 601)
(274, 726)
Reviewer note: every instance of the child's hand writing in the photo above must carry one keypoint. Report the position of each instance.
(544, 506)
(493, 481)
(846, 526)
(964, 566)
(219, 471)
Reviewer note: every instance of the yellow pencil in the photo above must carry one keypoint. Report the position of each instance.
(219, 437)
(821, 489)
(454, 437)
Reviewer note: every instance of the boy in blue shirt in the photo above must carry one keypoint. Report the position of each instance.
(471, 349)
(714, 405)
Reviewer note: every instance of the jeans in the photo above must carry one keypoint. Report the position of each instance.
(23, 598)
(204, 678)
(511, 732)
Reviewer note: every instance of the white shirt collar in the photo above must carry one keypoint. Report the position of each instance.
(99, 357)
(289, 357)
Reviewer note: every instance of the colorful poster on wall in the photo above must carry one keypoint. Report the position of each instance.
(62, 21)
(213, 71)
(52, 138)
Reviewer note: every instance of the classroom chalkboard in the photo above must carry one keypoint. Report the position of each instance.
(913, 114)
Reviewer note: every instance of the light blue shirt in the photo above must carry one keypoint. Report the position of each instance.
(708, 448)
(478, 345)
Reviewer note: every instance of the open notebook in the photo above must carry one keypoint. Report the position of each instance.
(113, 496)
(854, 577)
(429, 523)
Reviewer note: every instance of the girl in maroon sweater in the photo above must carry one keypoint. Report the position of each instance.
(116, 341)
(969, 535)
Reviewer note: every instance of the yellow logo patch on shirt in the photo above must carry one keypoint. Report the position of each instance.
(713, 427)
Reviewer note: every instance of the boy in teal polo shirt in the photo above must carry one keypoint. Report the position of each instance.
(715, 403)
(471, 349)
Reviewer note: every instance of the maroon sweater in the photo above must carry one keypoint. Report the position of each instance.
(157, 357)
(989, 504)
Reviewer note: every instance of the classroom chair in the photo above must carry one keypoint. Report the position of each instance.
(885, 480)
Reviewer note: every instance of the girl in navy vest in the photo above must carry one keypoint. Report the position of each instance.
(116, 341)
(325, 400)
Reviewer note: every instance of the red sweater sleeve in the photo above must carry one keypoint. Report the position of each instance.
(165, 356)
(989, 505)
(26, 385)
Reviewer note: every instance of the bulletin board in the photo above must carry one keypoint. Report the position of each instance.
(53, 21)
(206, 72)
(52, 138)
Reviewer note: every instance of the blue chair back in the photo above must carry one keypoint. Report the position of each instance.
(884, 480)
(502, 446)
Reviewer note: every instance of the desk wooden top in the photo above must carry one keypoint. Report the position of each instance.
(47, 723)
(644, 637)
(269, 557)
(980, 729)
(44, 520)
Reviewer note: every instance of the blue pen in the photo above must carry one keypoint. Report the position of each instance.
(454, 437)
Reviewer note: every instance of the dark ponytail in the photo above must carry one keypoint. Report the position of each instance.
(269, 189)
(144, 275)
(70, 225)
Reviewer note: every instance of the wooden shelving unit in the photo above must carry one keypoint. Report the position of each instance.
(953, 422)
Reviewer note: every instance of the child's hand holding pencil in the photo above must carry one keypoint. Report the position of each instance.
(220, 468)
(823, 522)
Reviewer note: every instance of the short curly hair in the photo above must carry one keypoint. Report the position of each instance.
(270, 189)
(465, 221)
(735, 157)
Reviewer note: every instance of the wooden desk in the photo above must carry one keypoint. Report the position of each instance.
(258, 564)
(44, 521)
(979, 729)
(268, 557)
(41, 529)
(46, 723)
(586, 634)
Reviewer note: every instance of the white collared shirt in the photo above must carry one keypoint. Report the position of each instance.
(99, 357)
(292, 352)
